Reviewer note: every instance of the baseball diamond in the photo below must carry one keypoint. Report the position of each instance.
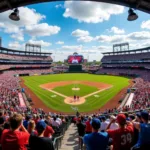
(105, 87)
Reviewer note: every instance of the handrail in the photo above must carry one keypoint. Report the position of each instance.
(57, 139)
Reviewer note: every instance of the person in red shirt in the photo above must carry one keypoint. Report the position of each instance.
(122, 137)
(88, 128)
(48, 131)
(15, 138)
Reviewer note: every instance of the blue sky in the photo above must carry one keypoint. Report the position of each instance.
(62, 28)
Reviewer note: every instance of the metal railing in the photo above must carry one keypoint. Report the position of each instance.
(57, 140)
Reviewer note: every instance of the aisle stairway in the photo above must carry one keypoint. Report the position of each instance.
(70, 139)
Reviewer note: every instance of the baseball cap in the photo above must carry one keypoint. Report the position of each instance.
(121, 119)
(40, 126)
(95, 123)
(144, 115)
(138, 114)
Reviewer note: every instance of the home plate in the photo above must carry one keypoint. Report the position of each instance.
(53, 95)
(96, 95)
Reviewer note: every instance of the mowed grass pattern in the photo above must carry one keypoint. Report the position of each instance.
(92, 103)
(67, 90)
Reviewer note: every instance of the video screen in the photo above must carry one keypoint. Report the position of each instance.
(75, 59)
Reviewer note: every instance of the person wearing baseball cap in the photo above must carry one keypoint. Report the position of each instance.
(123, 136)
(40, 142)
(143, 127)
(96, 140)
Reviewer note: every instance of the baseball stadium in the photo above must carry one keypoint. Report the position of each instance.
(70, 98)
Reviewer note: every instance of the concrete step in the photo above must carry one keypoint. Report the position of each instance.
(70, 139)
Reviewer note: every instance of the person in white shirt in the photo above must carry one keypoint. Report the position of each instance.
(59, 120)
(104, 124)
(55, 122)
(114, 125)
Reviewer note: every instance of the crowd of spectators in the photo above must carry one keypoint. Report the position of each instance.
(126, 57)
(30, 71)
(4, 67)
(24, 57)
(145, 74)
(125, 131)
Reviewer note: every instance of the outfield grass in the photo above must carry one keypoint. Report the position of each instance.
(67, 90)
(92, 103)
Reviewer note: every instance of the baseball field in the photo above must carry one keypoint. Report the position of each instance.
(70, 92)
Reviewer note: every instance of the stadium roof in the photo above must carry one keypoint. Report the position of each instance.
(147, 49)
(10, 51)
(143, 5)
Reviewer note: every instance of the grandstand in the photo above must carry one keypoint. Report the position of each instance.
(24, 127)
(24, 62)
(134, 63)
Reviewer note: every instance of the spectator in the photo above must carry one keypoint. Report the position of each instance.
(96, 140)
(114, 125)
(88, 128)
(13, 138)
(40, 142)
(49, 131)
(81, 127)
(55, 123)
(26, 121)
(31, 127)
(104, 123)
(122, 137)
(144, 132)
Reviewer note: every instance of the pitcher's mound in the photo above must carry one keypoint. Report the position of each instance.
(75, 89)
(71, 101)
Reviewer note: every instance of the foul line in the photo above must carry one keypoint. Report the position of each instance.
(96, 92)
(64, 96)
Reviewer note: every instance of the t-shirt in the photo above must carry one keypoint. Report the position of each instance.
(48, 131)
(144, 134)
(81, 129)
(114, 126)
(122, 137)
(40, 143)
(14, 140)
(88, 127)
(25, 124)
(96, 141)
(104, 126)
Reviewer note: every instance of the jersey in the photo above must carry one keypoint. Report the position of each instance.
(144, 134)
(96, 141)
(122, 137)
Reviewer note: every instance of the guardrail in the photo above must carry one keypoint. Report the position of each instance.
(57, 140)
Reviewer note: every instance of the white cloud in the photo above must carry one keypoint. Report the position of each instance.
(116, 30)
(135, 36)
(110, 39)
(28, 17)
(85, 39)
(59, 6)
(15, 45)
(145, 24)
(42, 29)
(80, 33)
(60, 42)
(143, 35)
(91, 12)
(40, 42)
(18, 36)
(72, 47)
